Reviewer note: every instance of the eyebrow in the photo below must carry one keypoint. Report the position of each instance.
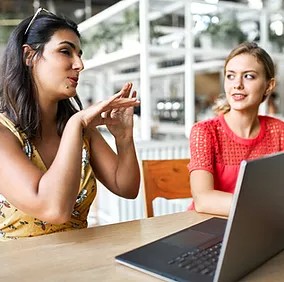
(242, 71)
(72, 45)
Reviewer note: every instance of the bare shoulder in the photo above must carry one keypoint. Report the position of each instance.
(13, 159)
(8, 138)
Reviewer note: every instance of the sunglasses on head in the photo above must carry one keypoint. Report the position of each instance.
(38, 11)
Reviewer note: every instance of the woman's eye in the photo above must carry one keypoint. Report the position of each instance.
(230, 76)
(249, 76)
(65, 51)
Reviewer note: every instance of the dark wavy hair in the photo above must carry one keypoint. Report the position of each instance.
(18, 92)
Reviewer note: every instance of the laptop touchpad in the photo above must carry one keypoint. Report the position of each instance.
(188, 239)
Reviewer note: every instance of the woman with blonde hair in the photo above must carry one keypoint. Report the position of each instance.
(237, 133)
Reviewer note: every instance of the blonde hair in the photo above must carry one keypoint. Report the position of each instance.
(221, 105)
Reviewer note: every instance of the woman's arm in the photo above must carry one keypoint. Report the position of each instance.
(47, 196)
(201, 166)
(206, 198)
(118, 172)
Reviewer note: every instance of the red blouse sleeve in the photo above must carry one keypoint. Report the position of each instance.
(201, 147)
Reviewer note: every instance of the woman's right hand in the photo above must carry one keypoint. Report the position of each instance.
(98, 113)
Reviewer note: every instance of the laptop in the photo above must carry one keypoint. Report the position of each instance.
(252, 234)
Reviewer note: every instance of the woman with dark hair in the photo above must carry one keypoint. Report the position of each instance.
(238, 133)
(50, 148)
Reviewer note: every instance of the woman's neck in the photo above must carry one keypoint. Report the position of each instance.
(48, 114)
(243, 125)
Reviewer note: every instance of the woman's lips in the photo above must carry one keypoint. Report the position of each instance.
(73, 81)
(238, 96)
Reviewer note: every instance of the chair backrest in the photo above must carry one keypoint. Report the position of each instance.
(167, 179)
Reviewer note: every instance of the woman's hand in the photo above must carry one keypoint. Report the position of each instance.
(117, 111)
(123, 116)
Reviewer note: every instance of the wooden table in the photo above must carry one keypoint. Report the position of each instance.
(88, 254)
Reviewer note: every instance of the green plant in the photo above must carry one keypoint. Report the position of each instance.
(227, 28)
(110, 33)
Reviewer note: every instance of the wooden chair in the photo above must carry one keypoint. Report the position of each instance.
(167, 179)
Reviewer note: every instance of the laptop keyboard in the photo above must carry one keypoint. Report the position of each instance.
(202, 261)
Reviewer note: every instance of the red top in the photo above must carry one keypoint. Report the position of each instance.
(216, 148)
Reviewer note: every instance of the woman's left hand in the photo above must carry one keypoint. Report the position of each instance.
(123, 127)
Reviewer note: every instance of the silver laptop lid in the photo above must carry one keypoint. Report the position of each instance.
(255, 228)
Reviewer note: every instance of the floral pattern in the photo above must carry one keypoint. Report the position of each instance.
(16, 224)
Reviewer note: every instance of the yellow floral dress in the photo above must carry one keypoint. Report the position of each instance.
(16, 224)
